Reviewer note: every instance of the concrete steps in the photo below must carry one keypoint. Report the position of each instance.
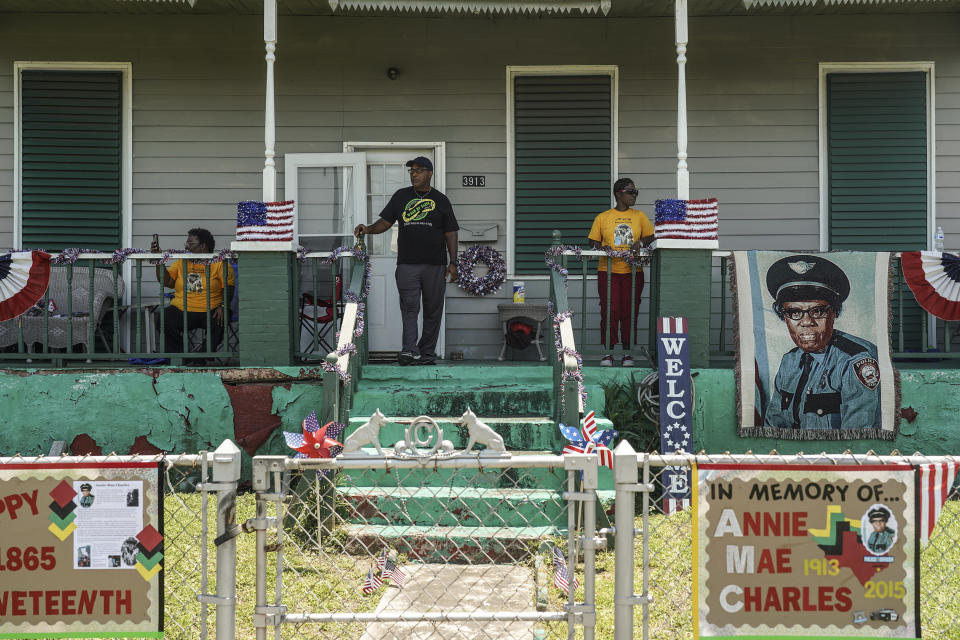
(455, 506)
(458, 544)
(459, 515)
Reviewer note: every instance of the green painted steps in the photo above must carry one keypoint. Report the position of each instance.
(448, 389)
(458, 545)
(455, 506)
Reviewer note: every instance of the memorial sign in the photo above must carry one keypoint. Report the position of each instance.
(826, 551)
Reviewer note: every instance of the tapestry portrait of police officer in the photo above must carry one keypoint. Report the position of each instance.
(830, 379)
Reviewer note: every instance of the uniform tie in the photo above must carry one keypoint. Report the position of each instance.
(805, 362)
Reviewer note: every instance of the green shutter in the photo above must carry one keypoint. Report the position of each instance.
(563, 129)
(877, 145)
(71, 159)
(877, 141)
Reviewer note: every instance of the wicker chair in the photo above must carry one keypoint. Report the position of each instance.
(100, 300)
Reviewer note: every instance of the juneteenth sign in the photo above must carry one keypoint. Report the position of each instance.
(81, 550)
(826, 551)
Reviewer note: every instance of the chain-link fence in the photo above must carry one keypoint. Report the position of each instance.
(440, 548)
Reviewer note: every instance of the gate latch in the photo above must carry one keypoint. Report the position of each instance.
(233, 532)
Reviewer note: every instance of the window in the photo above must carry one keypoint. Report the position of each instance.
(71, 158)
(563, 140)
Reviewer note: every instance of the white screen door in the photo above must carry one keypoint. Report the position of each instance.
(330, 191)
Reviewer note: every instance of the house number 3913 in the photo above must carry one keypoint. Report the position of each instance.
(474, 181)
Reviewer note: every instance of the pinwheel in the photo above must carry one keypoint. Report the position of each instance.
(24, 276)
(313, 442)
(934, 278)
(589, 440)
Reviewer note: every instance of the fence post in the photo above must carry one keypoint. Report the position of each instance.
(625, 481)
(226, 475)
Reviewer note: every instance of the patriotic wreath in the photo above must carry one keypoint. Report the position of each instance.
(481, 285)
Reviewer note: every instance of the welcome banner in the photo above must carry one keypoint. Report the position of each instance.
(81, 551)
(814, 551)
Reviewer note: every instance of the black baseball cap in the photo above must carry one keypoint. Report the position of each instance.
(421, 161)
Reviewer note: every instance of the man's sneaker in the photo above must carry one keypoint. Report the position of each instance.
(627, 361)
(427, 359)
(405, 358)
(606, 361)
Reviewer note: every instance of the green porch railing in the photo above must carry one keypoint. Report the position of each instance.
(915, 335)
(95, 317)
(343, 365)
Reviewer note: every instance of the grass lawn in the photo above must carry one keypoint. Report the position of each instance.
(319, 581)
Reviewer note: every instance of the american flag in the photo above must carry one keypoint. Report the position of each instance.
(672, 325)
(936, 482)
(686, 219)
(392, 572)
(265, 220)
(382, 558)
(561, 577)
(372, 582)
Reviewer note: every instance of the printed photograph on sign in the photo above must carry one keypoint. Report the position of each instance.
(107, 528)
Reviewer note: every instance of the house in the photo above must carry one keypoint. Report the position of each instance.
(818, 125)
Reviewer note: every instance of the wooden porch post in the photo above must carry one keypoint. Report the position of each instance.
(683, 176)
(269, 128)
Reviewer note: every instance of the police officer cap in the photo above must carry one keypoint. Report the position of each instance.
(878, 512)
(86, 486)
(805, 277)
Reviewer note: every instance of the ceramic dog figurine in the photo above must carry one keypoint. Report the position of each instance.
(366, 434)
(480, 433)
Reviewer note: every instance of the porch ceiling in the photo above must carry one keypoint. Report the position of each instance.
(618, 8)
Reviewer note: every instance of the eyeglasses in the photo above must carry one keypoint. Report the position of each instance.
(631, 192)
(417, 170)
(815, 313)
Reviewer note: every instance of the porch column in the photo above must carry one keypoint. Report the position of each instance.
(268, 326)
(683, 176)
(269, 128)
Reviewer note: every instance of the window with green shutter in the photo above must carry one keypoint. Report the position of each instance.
(877, 146)
(877, 180)
(71, 134)
(563, 145)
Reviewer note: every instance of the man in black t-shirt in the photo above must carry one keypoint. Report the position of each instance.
(427, 235)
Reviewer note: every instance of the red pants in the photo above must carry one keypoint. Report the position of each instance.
(619, 307)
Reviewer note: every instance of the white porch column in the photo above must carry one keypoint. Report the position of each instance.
(683, 176)
(269, 128)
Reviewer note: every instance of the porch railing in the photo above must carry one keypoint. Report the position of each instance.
(915, 335)
(342, 366)
(86, 316)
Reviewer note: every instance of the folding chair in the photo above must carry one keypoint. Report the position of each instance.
(316, 319)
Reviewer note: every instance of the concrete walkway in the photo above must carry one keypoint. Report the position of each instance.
(463, 588)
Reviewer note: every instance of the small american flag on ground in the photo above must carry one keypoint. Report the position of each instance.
(265, 220)
(382, 558)
(936, 482)
(372, 582)
(392, 572)
(686, 219)
(561, 577)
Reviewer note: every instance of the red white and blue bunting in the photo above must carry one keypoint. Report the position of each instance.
(934, 278)
(24, 276)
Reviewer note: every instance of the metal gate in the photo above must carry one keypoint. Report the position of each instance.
(437, 546)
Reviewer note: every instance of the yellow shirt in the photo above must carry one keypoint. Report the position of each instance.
(197, 285)
(619, 230)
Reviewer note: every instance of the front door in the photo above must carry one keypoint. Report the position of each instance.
(387, 172)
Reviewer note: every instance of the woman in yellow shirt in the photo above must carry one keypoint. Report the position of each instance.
(621, 228)
(221, 280)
